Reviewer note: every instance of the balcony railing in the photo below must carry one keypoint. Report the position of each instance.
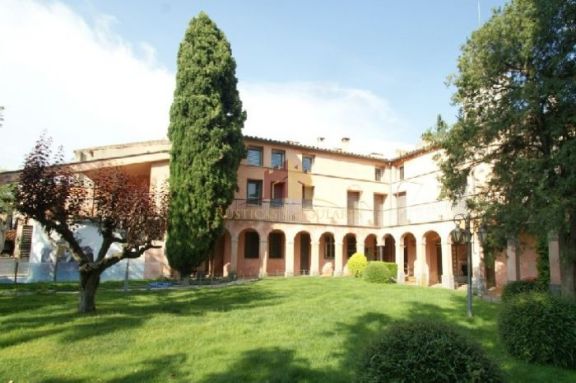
(311, 212)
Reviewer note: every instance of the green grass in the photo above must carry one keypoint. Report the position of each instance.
(275, 330)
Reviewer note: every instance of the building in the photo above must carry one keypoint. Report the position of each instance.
(304, 210)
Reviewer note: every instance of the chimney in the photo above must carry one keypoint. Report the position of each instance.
(344, 142)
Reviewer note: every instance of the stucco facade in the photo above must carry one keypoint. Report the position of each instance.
(302, 210)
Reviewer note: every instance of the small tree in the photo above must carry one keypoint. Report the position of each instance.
(124, 209)
(206, 121)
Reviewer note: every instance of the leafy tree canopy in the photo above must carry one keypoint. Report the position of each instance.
(516, 92)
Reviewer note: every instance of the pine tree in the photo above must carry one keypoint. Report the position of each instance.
(206, 121)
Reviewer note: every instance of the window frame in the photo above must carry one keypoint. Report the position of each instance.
(311, 158)
(254, 201)
(260, 149)
(278, 152)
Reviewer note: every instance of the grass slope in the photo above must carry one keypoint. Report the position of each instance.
(275, 330)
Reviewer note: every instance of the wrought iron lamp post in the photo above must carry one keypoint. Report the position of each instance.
(464, 237)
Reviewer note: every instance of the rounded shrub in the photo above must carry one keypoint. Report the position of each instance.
(539, 328)
(425, 352)
(356, 264)
(519, 287)
(380, 272)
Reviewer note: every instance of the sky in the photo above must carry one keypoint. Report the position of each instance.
(102, 72)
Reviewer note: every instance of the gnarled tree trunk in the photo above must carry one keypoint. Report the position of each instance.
(89, 282)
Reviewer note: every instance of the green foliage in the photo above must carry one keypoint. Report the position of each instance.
(206, 121)
(516, 94)
(543, 262)
(7, 198)
(540, 328)
(380, 272)
(514, 288)
(426, 352)
(356, 264)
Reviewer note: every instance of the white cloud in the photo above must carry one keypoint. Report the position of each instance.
(305, 111)
(87, 86)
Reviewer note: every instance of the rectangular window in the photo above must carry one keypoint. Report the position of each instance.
(278, 157)
(401, 214)
(251, 244)
(254, 192)
(353, 212)
(276, 245)
(378, 174)
(401, 172)
(307, 163)
(307, 197)
(254, 156)
(379, 209)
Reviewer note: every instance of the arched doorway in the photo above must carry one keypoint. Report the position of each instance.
(389, 252)
(248, 253)
(327, 253)
(370, 247)
(409, 242)
(433, 257)
(276, 253)
(302, 253)
(219, 261)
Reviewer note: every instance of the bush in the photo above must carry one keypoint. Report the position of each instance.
(426, 352)
(380, 272)
(356, 264)
(539, 328)
(519, 287)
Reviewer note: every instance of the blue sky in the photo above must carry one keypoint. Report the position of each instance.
(372, 70)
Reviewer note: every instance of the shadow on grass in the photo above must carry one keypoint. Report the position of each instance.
(119, 311)
(275, 364)
(161, 369)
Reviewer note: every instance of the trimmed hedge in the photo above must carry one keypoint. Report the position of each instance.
(380, 272)
(519, 287)
(426, 352)
(356, 264)
(539, 328)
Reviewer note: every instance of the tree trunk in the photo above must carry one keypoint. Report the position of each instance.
(567, 244)
(89, 282)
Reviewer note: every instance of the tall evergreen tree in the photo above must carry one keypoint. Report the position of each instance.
(206, 121)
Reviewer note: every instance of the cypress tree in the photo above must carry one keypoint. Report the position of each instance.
(206, 120)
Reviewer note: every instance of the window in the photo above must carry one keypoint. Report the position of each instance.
(307, 163)
(251, 244)
(401, 214)
(378, 174)
(278, 159)
(307, 197)
(254, 156)
(277, 194)
(254, 192)
(379, 209)
(276, 245)
(401, 172)
(329, 247)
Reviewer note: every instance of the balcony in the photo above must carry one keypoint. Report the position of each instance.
(287, 211)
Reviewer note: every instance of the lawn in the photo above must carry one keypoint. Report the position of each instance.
(274, 330)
